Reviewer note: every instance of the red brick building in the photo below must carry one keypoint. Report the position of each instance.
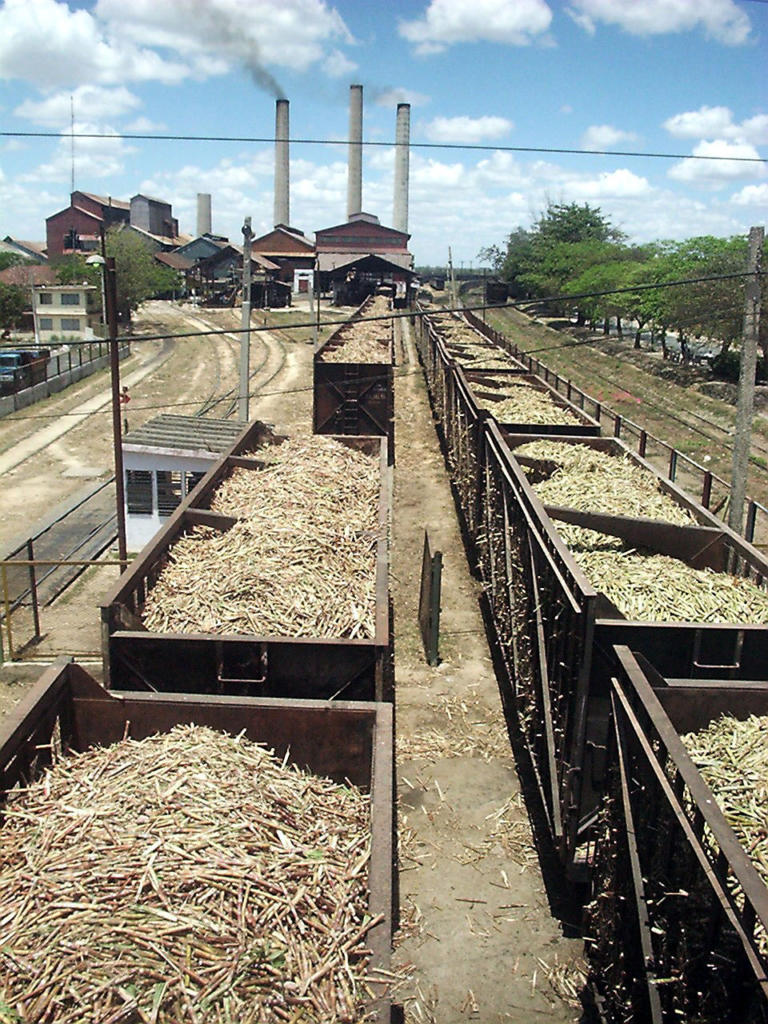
(78, 227)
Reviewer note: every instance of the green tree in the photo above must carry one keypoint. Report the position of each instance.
(10, 259)
(73, 269)
(13, 303)
(139, 275)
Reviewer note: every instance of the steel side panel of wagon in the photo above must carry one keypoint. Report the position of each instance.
(343, 741)
(691, 944)
(135, 658)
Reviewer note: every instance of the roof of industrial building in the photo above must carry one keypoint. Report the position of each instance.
(185, 434)
(327, 261)
(27, 274)
(118, 204)
(175, 260)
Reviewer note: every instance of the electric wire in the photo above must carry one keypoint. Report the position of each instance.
(463, 146)
(562, 298)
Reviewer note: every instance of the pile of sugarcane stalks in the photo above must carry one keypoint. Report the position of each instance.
(299, 562)
(188, 877)
(522, 403)
(578, 476)
(651, 587)
(362, 341)
(732, 756)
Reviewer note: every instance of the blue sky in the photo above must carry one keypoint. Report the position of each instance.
(671, 76)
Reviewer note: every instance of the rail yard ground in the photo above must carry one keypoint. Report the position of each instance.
(484, 926)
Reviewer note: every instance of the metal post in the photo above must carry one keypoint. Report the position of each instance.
(33, 588)
(110, 291)
(745, 407)
(7, 601)
(245, 336)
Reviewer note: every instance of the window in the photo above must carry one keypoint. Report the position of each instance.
(168, 491)
(70, 323)
(70, 298)
(45, 323)
(138, 491)
(46, 298)
(193, 479)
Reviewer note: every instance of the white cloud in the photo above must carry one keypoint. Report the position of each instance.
(719, 171)
(619, 184)
(467, 129)
(445, 22)
(717, 123)
(47, 43)
(337, 65)
(255, 34)
(751, 195)
(391, 97)
(92, 101)
(144, 124)
(721, 19)
(605, 136)
(101, 157)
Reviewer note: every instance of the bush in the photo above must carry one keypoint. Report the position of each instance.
(726, 367)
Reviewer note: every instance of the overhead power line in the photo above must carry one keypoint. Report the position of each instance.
(476, 147)
(564, 297)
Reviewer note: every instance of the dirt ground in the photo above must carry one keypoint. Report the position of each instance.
(478, 939)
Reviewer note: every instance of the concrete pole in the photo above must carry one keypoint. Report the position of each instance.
(742, 440)
(355, 163)
(110, 292)
(203, 213)
(282, 164)
(402, 156)
(245, 336)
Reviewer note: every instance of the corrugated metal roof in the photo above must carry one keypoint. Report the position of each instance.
(327, 261)
(185, 434)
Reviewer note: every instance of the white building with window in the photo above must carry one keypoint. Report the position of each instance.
(162, 462)
(64, 311)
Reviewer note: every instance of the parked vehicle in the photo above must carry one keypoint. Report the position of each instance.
(22, 369)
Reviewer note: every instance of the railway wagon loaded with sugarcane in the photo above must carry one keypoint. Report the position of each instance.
(581, 544)
(184, 859)
(584, 546)
(464, 395)
(677, 924)
(270, 579)
(353, 375)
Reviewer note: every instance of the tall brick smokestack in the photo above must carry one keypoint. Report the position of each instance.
(282, 172)
(402, 157)
(355, 172)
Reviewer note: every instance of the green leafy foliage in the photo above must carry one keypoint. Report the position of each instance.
(574, 249)
(13, 302)
(139, 275)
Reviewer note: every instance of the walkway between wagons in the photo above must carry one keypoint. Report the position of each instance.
(476, 924)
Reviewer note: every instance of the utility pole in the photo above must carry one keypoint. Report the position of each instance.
(745, 406)
(245, 336)
(110, 294)
(452, 279)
